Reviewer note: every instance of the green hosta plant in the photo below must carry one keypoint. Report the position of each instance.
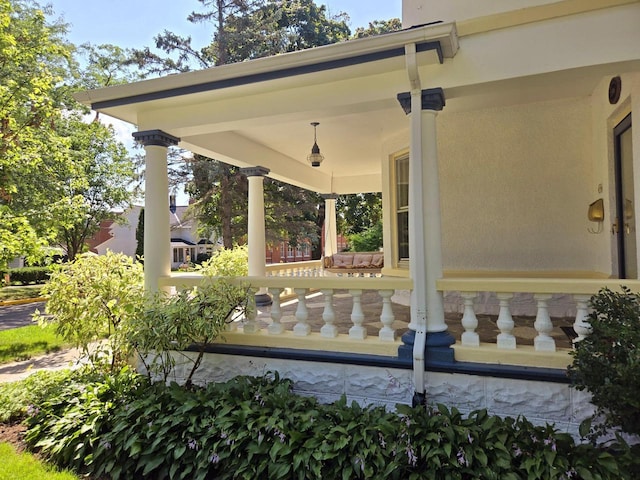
(256, 428)
(189, 320)
(90, 303)
(70, 424)
(18, 398)
(607, 362)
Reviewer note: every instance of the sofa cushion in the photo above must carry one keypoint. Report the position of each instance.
(362, 260)
(340, 260)
(377, 260)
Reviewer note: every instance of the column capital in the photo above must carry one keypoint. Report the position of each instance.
(329, 196)
(432, 99)
(254, 171)
(155, 137)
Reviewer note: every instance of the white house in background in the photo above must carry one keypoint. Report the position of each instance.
(500, 134)
(186, 244)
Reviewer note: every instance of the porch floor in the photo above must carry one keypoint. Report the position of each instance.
(372, 306)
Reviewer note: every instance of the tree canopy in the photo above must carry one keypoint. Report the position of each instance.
(46, 184)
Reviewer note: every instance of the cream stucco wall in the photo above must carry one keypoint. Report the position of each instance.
(515, 185)
(418, 12)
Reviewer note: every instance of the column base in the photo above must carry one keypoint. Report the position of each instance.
(419, 399)
(437, 349)
(263, 300)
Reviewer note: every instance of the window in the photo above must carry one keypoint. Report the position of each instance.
(178, 255)
(401, 172)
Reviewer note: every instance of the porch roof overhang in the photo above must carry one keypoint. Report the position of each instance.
(259, 112)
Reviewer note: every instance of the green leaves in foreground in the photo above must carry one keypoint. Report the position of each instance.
(122, 427)
(607, 362)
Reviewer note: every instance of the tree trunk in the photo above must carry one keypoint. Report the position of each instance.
(226, 208)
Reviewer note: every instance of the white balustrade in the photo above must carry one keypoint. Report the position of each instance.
(302, 328)
(310, 278)
(543, 341)
(250, 325)
(357, 316)
(328, 330)
(276, 328)
(581, 326)
(469, 337)
(550, 295)
(505, 339)
(311, 268)
(386, 334)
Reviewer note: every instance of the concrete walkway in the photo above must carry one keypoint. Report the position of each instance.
(12, 372)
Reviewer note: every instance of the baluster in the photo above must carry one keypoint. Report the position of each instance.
(328, 330)
(581, 326)
(276, 327)
(505, 323)
(386, 334)
(302, 328)
(543, 341)
(250, 324)
(470, 337)
(357, 316)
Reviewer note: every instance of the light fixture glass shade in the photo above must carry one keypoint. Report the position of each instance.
(315, 158)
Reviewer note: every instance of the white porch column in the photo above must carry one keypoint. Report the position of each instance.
(255, 227)
(330, 229)
(157, 236)
(428, 331)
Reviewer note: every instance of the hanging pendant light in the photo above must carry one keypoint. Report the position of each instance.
(315, 158)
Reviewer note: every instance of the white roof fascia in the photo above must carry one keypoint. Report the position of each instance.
(443, 33)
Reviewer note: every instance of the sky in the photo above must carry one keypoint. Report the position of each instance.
(134, 23)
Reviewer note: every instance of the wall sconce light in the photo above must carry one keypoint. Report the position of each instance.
(315, 158)
(596, 214)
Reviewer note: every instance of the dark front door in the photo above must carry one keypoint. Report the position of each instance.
(624, 224)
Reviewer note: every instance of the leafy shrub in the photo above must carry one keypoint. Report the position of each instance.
(256, 428)
(227, 262)
(607, 362)
(28, 275)
(191, 318)
(92, 299)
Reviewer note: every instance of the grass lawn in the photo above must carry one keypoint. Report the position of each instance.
(18, 293)
(23, 466)
(25, 342)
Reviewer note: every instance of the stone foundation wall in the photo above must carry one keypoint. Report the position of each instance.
(540, 402)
